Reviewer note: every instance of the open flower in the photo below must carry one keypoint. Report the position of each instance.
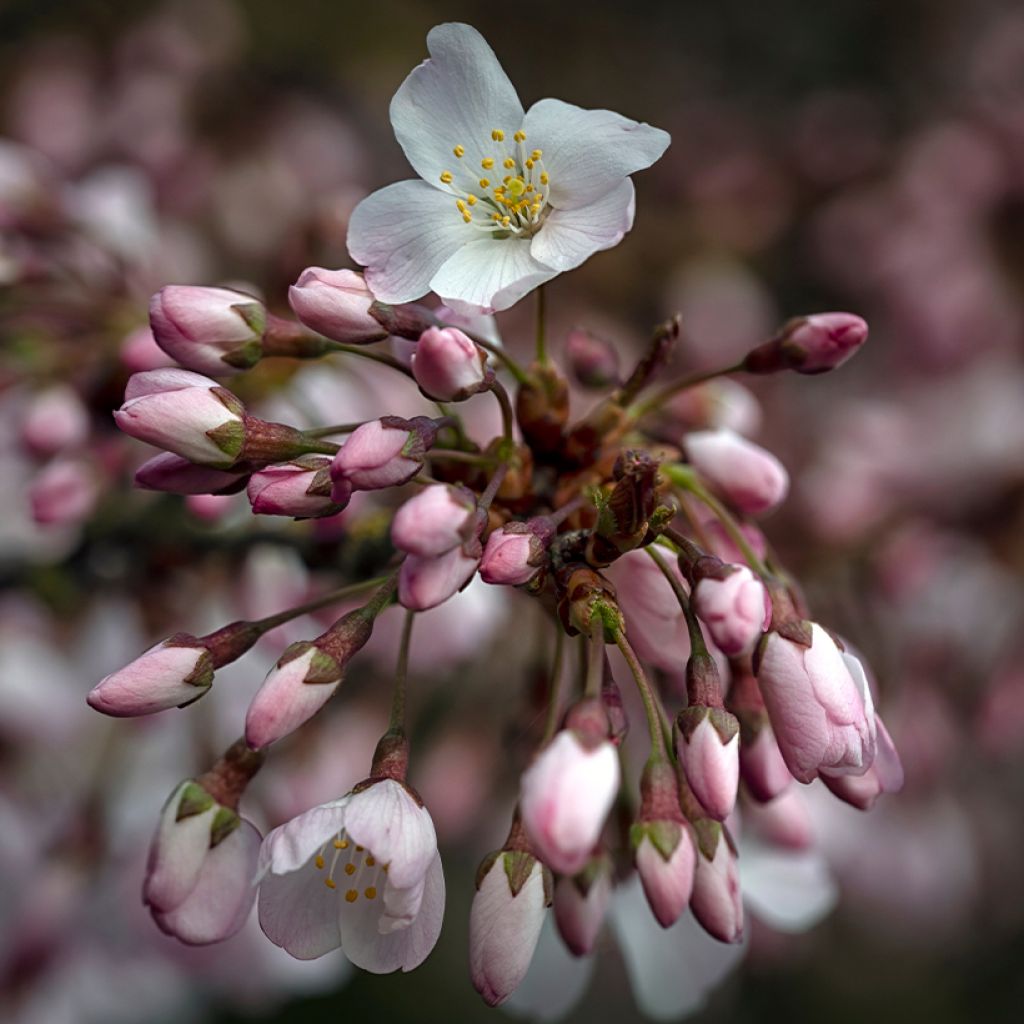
(362, 873)
(507, 200)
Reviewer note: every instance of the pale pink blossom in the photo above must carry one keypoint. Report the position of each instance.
(215, 331)
(707, 745)
(55, 420)
(173, 672)
(362, 873)
(717, 901)
(746, 475)
(301, 488)
(580, 905)
(65, 491)
(140, 352)
(447, 365)
(736, 609)
(565, 796)
(427, 582)
(336, 304)
(762, 766)
(816, 707)
(667, 876)
(440, 517)
(380, 453)
(784, 821)
(505, 923)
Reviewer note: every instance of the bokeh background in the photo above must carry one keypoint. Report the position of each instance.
(842, 155)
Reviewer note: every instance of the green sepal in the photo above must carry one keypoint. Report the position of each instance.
(323, 669)
(193, 800)
(245, 356)
(225, 821)
(665, 836)
(709, 834)
(229, 437)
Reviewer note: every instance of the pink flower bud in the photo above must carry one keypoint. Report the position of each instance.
(735, 607)
(810, 344)
(427, 582)
(201, 864)
(513, 893)
(185, 413)
(336, 304)
(746, 475)
(436, 520)
(665, 859)
(784, 821)
(209, 508)
(140, 352)
(722, 404)
(215, 331)
(169, 472)
(565, 796)
(301, 488)
(717, 901)
(593, 361)
(174, 672)
(581, 903)
(64, 492)
(383, 453)
(447, 366)
(721, 544)
(707, 743)
(55, 420)
(514, 554)
(761, 764)
(816, 708)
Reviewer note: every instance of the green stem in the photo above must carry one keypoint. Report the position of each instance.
(651, 704)
(369, 353)
(507, 415)
(397, 721)
(554, 694)
(652, 402)
(454, 455)
(336, 428)
(595, 663)
(542, 347)
(485, 499)
(335, 596)
(697, 644)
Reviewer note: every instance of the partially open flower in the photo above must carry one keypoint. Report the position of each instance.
(362, 873)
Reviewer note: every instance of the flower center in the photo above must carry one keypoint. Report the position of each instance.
(359, 872)
(508, 194)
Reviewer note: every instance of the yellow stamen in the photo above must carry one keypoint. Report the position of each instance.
(351, 896)
(471, 199)
(330, 883)
(544, 178)
(536, 154)
(508, 163)
(370, 892)
(520, 136)
(498, 135)
(446, 177)
(459, 151)
(340, 844)
(461, 205)
(506, 220)
(350, 869)
(487, 163)
(319, 862)
(359, 849)
(370, 862)
(467, 217)
(485, 182)
(529, 165)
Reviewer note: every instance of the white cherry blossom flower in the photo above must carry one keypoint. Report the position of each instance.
(362, 873)
(507, 199)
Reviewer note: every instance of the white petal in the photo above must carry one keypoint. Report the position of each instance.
(588, 152)
(489, 274)
(569, 237)
(299, 913)
(406, 948)
(402, 235)
(672, 970)
(458, 97)
(288, 847)
(790, 891)
(398, 831)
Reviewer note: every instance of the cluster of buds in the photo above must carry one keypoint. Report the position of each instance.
(553, 508)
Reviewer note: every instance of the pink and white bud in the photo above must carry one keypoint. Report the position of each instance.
(762, 766)
(722, 404)
(336, 304)
(448, 366)
(215, 331)
(744, 474)
(581, 903)
(54, 421)
(514, 554)
(513, 893)
(717, 901)
(64, 492)
(301, 488)
(172, 473)
(172, 673)
(816, 707)
(784, 821)
(185, 413)
(735, 607)
(565, 796)
(383, 453)
(810, 344)
(707, 741)
(431, 523)
(665, 858)
(427, 582)
(140, 352)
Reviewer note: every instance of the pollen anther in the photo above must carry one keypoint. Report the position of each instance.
(459, 151)
(446, 177)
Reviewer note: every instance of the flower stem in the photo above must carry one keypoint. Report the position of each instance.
(336, 428)
(369, 353)
(485, 499)
(397, 721)
(697, 644)
(555, 690)
(652, 402)
(595, 662)
(454, 455)
(647, 695)
(507, 415)
(324, 600)
(542, 346)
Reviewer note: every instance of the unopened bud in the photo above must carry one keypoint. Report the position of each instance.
(593, 362)
(301, 488)
(336, 304)
(810, 344)
(448, 366)
(382, 453)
